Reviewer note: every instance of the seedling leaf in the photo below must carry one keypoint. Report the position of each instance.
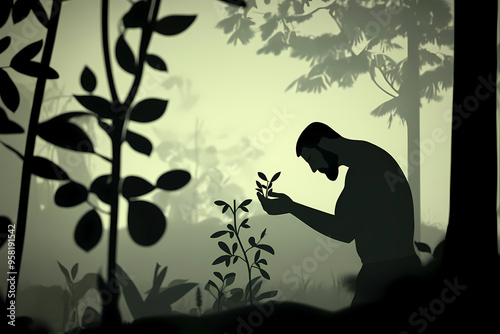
(66, 274)
(219, 276)
(244, 208)
(267, 248)
(220, 203)
(74, 271)
(251, 241)
(220, 259)
(218, 234)
(262, 176)
(224, 209)
(267, 294)
(264, 273)
(257, 256)
(235, 247)
(263, 233)
(275, 176)
(224, 247)
(229, 278)
(259, 185)
(211, 283)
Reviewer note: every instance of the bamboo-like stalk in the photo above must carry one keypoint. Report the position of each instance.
(120, 122)
(22, 213)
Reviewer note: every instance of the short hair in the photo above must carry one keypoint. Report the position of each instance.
(312, 134)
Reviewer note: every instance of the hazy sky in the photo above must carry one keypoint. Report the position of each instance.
(240, 99)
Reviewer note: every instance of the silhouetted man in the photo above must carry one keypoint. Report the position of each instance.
(375, 208)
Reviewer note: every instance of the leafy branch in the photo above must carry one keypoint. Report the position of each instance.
(239, 251)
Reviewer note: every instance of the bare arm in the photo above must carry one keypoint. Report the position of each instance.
(342, 226)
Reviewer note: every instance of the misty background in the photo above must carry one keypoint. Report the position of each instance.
(229, 117)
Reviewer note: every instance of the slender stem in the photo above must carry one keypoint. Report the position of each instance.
(36, 107)
(145, 39)
(16, 152)
(105, 48)
(244, 252)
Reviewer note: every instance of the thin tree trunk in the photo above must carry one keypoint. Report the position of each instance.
(413, 123)
(22, 213)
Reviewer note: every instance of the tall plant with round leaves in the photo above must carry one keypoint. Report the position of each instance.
(146, 222)
(23, 63)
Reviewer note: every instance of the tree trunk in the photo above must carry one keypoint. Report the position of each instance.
(412, 93)
(470, 254)
(26, 173)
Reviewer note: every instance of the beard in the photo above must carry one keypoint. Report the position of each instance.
(332, 171)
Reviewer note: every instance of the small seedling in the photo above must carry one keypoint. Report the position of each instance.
(266, 189)
(239, 252)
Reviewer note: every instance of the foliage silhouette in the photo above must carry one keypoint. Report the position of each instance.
(359, 49)
(239, 252)
(76, 293)
(146, 222)
(269, 186)
(159, 300)
(22, 62)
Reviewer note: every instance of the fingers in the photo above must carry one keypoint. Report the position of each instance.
(278, 195)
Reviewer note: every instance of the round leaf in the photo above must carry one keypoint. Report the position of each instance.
(125, 56)
(173, 180)
(148, 110)
(88, 231)
(146, 222)
(102, 188)
(60, 132)
(48, 170)
(139, 143)
(134, 186)
(137, 16)
(88, 80)
(7, 126)
(5, 7)
(96, 104)
(4, 43)
(9, 93)
(175, 24)
(156, 62)
(71, 194)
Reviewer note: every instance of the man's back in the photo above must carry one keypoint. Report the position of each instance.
(387, 232)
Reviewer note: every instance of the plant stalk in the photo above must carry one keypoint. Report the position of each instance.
(22, 212)
(244, 253)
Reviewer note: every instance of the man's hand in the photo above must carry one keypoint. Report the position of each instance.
(276, 206)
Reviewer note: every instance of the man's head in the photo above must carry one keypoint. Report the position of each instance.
(318, 158)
